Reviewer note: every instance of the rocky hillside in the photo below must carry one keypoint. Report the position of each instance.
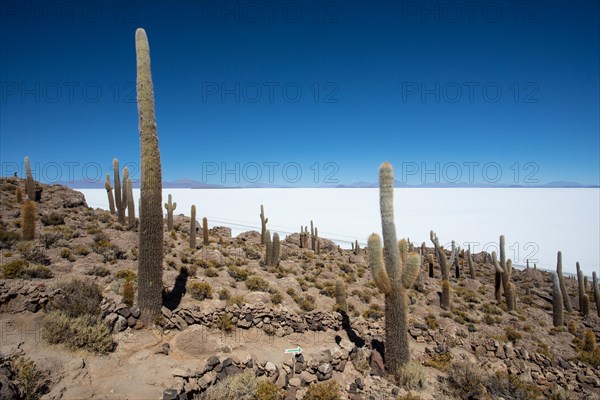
(233, 323)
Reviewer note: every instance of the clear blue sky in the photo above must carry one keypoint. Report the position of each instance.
(351, 83)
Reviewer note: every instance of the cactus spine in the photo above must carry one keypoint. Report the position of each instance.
(205, 231)
(170, 207)
(109, 192)
(130, 205)
(276, 249)
(193, 228)
(118, 193)
(263, 225)
(29, 183)
(399, 273)
(340, 296)
(28, 220)
(444, 267)
(557, 301)
(563, 287)
(150, 284)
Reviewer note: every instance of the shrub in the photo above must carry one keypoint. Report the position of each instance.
(99, 270)
(512, 335)
(128, 293)
(36, 255)
(8, 239)
(276, 297)
(431, 321)
(77, 297)
(126, 275)
(589, 341)
(244, 386)
(257, 284)
(238, 274)
(200, 290)
(465, 379)
(412, 376)
(38, 272)
(238, 300)
(48, 239)
(66, 254)
(53, 218)
(84, 332)
(328, 390)
(31, 381)
(508, 386)
(439, 361)
(211, 272)
(82, 250)
(306, 302)
(14, 269)
(224, 323)
(373, 312)
(224, 294)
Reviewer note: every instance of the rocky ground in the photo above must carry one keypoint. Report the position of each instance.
(226, 312)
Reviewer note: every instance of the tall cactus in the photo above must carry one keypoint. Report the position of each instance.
(170, 207)
(430, 262)
(557, 302)
(29, 183)
(317, 242)
(268, 248)
(580, 285)
(118, 193)
(205, 231)
(497, 279)
(394, 276)
(28, 220)
(444, 267)
(150, 259)
(109, 192)
(584, 300)
(276, 249)
(19, 195)
(313, 243)
(596, 291)
(263, 225)
(340, 296)
(563, 286)
(504, 270)
(193, 228)
(130, 205)
(470, 264)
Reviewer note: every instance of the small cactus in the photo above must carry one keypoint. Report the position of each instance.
(263, 225)
(585, 305)
(340, 296)
(170, 207)
(19, 195)
(557, 302)
(430, 262)
(193, 228)
(109, 192)
(29, 183)
(444, 267)
(28, 220)
(128, 293)
(563, 287)
(205, 231)
(393, 279)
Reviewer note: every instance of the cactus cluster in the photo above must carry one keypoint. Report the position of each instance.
(120, 196)
(314, 239)
(393, 276)
(444, 267)
(272, 249)
(170, 207)
(356, 248)
(303, 237)
(584, 300)
(150, 259)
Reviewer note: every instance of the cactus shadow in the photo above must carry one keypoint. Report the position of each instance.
(351, 333)
(172, 299)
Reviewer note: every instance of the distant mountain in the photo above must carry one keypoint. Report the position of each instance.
(193, 184)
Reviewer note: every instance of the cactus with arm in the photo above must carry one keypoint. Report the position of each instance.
(393, 276)
(170, 207)
(109, 192)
